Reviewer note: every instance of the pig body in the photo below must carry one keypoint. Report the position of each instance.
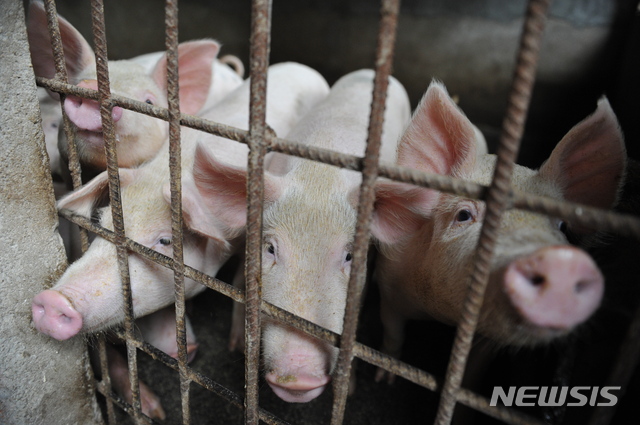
(138, 137)
(540, 288)
(309, 225)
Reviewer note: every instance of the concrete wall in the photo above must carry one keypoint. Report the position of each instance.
(42, 381)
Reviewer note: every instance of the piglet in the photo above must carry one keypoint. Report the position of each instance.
(138, 136)
(540, 287)
(87, 298)
(309, 225)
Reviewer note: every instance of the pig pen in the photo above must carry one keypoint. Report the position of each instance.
(223, 387)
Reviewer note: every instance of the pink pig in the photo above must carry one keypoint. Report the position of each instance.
(139, 137)
(309, 225)
(540, 287)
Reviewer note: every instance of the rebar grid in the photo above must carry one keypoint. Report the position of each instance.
(496, 202)
(594, 218)
(258, 64)
(175, 181)
(384, 60)
(368, 354)
(576, 213)
(108, 130)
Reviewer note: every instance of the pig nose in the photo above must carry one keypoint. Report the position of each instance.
(556, 287)
(85, 113)
(53, 315)
(298, 388)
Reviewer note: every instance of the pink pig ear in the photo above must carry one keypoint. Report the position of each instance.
(83, 200)
(589, 162)
(223, 190)
(399, 210)
(440, 139)
(195, 62)
(196, 216)
(77, 52)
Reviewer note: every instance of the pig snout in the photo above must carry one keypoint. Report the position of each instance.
(53, 315)
(85, 113)
(293, 383)
(555, 287)
(298, 371)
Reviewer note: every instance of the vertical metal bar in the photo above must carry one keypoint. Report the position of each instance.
(384, 59)
(175, 174)
(102, 68)
(259, 62)
(497, 199)
(76, 180)
(106, 379)
(623, 369)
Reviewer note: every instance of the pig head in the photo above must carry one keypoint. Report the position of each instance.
(138, 136)
(540, 287)
(308, 228)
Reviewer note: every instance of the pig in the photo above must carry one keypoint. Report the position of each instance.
(87, 298)
(139, 137)
(540, 287)
(309, 225)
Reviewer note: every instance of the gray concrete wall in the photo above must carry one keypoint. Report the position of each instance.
(42, 381)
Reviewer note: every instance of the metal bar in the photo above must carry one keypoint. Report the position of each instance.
(106, 379)
(384, 60)
(97, 19)
(258, 63)
(175, 178)
(497, 202)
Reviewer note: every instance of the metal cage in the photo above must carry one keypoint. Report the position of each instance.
(498, 198)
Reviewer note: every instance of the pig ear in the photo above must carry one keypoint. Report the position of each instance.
(195, 215)
(440, 139)
(195, 62)
(77, 52)
(223, 189)
(82, 201)
(399, 210)
(589, 162)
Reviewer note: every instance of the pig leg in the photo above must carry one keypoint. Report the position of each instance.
(392, 335)
(236, 336)
(159, 330)
(119, 373)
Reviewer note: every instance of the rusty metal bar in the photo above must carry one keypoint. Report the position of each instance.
(106, 379)
(258, 64)
(497, 202)
(73, 164)
(623, 368)
(384, 60)
(175, 178)
(102, 68)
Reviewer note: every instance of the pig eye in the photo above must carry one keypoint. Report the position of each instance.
(149, 101)
(348, 257)
(165, 241)
(271, 249)
(464, 215)
(562, 226)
